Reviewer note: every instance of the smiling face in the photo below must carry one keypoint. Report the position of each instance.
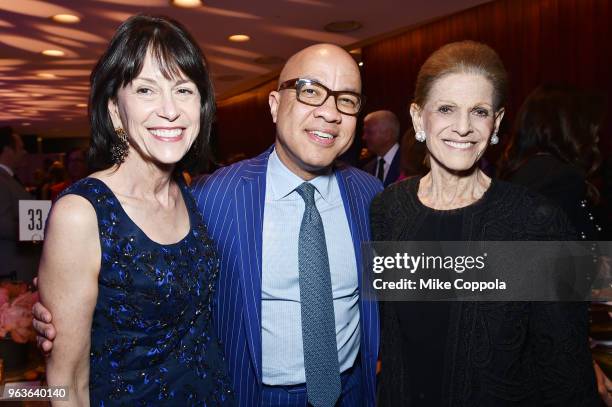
(458, 118)
(310, 138)
(161, 116)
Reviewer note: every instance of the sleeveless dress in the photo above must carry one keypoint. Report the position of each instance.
(152, 338)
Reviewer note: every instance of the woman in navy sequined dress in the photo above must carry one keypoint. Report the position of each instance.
(127, 256)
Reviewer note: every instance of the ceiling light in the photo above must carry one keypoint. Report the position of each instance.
(343, 26)
(46, 75)
(53, 53)
(186, 3)
(239, 38)
(66, 18)
(81, 105)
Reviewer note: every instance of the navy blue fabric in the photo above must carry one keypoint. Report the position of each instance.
(232, 203)
(295, 396)
(152, 339)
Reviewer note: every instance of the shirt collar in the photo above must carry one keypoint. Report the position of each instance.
(388, 157)
(283, 182)
(7, 169)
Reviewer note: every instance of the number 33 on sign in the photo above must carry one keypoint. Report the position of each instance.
(32, 219)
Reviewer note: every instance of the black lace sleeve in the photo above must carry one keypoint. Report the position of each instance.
(378, 219)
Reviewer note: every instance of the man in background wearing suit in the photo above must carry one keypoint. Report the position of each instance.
(19, 260)
(288, 225)
(256, 211)
(381, 132)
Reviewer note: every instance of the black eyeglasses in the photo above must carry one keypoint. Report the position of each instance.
(313, 93)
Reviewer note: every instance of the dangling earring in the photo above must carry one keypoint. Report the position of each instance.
(420, 136)
(494, 138)
(119, 150)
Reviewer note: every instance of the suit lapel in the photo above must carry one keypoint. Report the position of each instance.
(352, 203)
(394, 169)
(250, 199)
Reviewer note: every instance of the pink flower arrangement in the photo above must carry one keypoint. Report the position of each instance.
(16, 311)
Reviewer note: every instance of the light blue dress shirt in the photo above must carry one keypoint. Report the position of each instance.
(282, 348)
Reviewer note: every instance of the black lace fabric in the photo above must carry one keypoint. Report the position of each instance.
(486, 353)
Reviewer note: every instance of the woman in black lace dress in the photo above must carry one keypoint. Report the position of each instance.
(128, 269)
(474, 353)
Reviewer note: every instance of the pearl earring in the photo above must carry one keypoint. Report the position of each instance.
(494, 138)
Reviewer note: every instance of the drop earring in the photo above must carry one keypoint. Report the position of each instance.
(119, 150)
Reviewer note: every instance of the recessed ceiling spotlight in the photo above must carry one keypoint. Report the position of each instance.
(343, 26)
(66, 18)
(81, 105)
(186, 3)
(239, 38)
(46, 75)
(53, 53)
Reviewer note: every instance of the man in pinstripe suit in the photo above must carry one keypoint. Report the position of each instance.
(253, 212)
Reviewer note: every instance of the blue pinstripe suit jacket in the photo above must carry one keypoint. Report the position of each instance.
(232, 203)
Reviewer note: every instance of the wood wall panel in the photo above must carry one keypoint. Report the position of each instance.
(244, 124)
(539, 41)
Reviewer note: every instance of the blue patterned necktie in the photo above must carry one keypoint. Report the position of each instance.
(318, 322)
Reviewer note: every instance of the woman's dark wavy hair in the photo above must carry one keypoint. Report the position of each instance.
(176, 52)
(559, 120)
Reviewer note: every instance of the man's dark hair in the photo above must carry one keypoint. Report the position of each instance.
(6, 138)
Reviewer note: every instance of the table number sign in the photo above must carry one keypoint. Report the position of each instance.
(32, 218)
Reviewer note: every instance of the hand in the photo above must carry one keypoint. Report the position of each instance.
(604, 385)
(43, 327)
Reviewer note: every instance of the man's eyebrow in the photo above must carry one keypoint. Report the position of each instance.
(348, 89)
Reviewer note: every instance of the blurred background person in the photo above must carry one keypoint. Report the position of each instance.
(554, 150)
(381, 132)
(19, 259)
(56, 174)
(413, 156)
(75, 163)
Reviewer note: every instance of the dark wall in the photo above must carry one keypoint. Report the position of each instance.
(538, 40)
(244, 124)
